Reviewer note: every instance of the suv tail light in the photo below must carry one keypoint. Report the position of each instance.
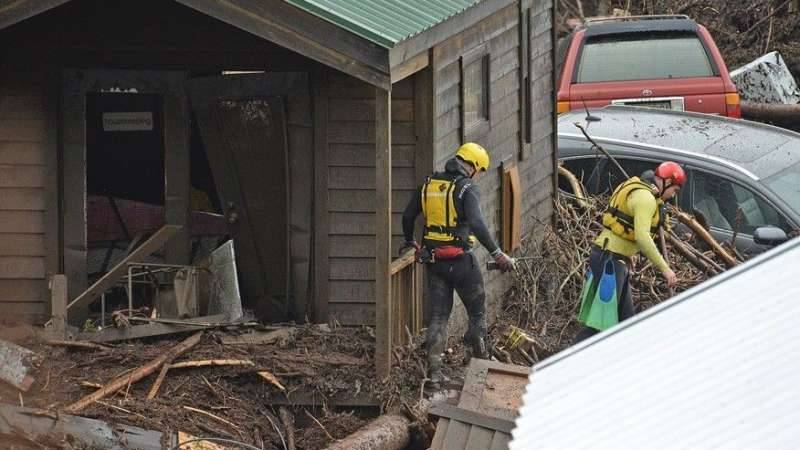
(733, 105)
(562, 107)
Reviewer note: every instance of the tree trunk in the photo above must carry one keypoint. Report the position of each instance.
(785, 114)
(384, 433)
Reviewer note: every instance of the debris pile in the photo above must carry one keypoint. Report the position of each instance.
(310, 385)
(539, 316)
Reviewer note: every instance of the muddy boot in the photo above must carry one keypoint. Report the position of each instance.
(475, 340)
(436, 378)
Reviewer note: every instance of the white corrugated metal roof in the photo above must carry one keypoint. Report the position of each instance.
(716, 367)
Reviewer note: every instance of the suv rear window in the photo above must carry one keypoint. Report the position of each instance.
(631, 57)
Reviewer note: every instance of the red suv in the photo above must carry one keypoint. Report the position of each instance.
(667, 62)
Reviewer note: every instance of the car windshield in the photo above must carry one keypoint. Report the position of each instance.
(634, 57)
(786, 184)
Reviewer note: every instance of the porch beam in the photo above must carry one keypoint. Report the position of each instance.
(299, 31)
(383, 231)
(19, 10)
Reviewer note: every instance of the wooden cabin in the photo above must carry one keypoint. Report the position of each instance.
(298, 127)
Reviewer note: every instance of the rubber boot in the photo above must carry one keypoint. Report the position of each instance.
(436, 378)
(475, 340)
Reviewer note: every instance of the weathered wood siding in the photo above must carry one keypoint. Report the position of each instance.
(351, 190)
(24, 152)
(501, 34)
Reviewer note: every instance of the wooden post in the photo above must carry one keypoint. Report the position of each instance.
(177, 186)
(383, 230)
(58, 304)
(424, 96)
(321, 215)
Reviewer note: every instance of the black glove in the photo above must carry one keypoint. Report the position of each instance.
(409, 244)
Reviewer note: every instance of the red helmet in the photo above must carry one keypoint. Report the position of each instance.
(669, 170)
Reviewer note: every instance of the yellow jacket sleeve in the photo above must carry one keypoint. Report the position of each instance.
(643, 205)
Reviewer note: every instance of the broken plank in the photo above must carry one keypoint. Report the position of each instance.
(16, 363)
(260, 338)
(38, 424)
(78, 344)
(137, 332)
(110, 279)
(136, 375)
(448, 411)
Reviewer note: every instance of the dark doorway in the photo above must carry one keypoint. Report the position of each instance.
(125, 146)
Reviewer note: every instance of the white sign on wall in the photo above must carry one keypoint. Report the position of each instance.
(128, 121)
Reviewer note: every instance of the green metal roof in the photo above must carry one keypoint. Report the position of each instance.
(384, 22)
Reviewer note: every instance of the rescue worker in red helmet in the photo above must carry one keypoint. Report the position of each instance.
(634, 215)
(450, 203)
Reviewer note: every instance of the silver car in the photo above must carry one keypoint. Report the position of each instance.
(744, 177)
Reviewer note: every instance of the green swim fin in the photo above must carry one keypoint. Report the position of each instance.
(587, 295)
(603, 313)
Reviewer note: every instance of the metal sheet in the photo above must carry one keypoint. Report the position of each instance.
(766, 80)
(715, 367)
(223, 287)
(384, 22)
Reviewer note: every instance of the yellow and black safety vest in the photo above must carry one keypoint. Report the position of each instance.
(618, 217)
(442, 226)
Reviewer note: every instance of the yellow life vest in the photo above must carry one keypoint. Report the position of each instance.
(618, 217)
(441, 217)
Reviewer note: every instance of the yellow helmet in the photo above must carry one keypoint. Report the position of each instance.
(475, 155)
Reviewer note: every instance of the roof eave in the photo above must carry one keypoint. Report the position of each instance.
(305, 33)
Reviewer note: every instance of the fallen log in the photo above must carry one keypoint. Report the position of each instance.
(212, 362)
(136, 375)
(16, 365)
(687, 254)
(703, 234)
(387, 432)
(785, 114)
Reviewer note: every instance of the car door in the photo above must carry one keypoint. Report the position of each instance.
(732, 210)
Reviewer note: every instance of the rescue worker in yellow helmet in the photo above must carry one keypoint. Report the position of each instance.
(450, 203)
(634, 215)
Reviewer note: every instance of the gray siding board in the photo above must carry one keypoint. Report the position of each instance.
(350, 223)
(363, 155)
(364, 178)
(25, 237)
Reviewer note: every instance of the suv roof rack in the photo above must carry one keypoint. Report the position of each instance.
(595, 20)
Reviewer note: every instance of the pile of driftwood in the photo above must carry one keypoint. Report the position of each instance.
(540, 315)
(275, 387)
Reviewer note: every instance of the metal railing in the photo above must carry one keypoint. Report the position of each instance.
(406, 300)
